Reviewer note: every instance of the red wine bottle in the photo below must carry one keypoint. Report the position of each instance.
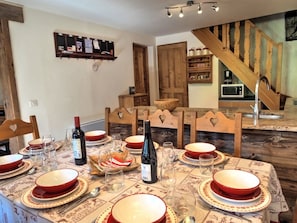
(148, 157)
(79, 144)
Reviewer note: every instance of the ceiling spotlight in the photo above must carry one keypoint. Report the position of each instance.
(169, 14)
(199, 9)
(215, 8)
(181, 14)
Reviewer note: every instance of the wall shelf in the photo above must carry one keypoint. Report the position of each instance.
(199, 69)
(74, 46)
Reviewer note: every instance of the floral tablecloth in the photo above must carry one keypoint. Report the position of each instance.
(12, 209)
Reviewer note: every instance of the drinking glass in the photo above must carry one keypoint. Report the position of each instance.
(184, 202)
(114, 180)
(206, 164)
(68, 137)
(116, 141)
(168, 154)
(167, 175)
(49, 154)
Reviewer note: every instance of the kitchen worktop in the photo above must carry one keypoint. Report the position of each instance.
(287, 123)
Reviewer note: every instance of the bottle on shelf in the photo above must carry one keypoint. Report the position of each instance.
(148, 157)
(79, 143)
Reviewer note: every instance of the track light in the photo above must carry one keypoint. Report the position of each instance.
(199, 9)
(169, 13)
(214, 6)
(181, 14)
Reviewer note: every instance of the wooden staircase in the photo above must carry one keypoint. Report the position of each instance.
(248, 53)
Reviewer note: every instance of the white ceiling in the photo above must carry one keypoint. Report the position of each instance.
(150, 16)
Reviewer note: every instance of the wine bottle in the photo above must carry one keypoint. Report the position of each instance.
(148, 156)
(79, 144)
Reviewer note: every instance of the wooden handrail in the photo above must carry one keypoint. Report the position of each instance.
(255, 48)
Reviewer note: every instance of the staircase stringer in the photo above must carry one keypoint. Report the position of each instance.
(237, 66)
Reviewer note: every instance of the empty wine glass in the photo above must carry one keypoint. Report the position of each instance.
(168, 153)
(49, 154)
(167, 175)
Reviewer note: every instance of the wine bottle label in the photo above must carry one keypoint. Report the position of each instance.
(146, 172)
(76, 148)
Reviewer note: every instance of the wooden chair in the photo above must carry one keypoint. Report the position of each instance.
(166, 120)
(219, 123)
(11, 128)
(121, 116)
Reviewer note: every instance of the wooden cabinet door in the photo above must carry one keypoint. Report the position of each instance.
(173, 72)
(141, 77)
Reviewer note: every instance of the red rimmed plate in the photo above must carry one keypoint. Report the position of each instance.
(189, 156)
(39, 194)
(232, 197)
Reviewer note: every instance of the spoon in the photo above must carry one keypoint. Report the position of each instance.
(93, 193)
(188, 219)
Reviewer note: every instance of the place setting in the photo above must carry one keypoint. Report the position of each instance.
(235, 191)
(54, 189)
(97, 138)
(134, 144)
(194, 153)
(13, 165)
(150, 208)
(35, 147)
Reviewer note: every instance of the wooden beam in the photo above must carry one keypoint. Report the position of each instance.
(11, 12)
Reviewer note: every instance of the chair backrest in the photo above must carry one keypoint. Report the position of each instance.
(16, 127)
(120, 116)
(219, 123)
(165, 119)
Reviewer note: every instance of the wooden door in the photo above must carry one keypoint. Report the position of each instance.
(141, 77)
(172, 72)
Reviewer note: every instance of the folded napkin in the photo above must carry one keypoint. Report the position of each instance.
(116, 162)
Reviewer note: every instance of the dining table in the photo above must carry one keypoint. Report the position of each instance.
(15, 206)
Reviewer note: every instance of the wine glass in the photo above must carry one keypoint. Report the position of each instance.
(168, 153)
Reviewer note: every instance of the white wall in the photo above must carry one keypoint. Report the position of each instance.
(200, 95)
(274, 27)
(68, 87)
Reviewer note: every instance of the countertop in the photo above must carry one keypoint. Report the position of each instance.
(287, 123)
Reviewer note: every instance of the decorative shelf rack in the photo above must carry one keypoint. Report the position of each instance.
(199, 69)
(74, 46)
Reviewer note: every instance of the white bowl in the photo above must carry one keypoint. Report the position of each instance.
(236, 182)
(140, 208)
(135, 141)
(57, 180)
(95, 135)
(10, 162)
(198, 148)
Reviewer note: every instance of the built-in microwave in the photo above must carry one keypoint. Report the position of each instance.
(232, 90)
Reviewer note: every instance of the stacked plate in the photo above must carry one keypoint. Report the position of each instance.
(54, 188)
(13, 165)
(194, 150)
(35, 147)
(236, 191)
(134, 144)
(96, 137)
(150, 208)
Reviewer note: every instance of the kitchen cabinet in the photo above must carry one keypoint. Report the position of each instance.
(199, 69)
(131, 100)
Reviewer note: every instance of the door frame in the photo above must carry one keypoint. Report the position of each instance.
(7, 73)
